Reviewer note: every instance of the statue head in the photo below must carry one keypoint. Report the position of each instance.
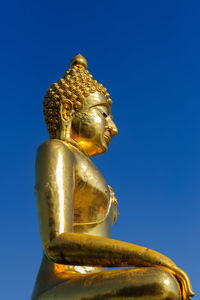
(78, 107)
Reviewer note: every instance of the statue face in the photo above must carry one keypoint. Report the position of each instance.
(92, 125)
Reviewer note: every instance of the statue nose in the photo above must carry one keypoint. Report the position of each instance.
(112, 127)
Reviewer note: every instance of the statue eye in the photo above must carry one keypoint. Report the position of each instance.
(102, 112)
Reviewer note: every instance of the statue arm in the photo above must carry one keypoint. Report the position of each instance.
(54, 189)
(88, 250)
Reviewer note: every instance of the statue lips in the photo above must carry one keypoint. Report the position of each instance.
(107, 137)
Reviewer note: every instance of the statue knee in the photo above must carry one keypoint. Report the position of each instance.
(169, 286)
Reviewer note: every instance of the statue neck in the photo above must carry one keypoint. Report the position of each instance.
(76, 145)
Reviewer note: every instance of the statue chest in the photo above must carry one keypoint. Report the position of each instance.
(91, 201)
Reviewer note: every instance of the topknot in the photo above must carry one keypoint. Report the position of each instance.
(75, 85)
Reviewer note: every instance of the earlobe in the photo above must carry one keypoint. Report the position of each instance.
(66, 109)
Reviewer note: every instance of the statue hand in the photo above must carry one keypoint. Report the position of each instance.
(184, 282)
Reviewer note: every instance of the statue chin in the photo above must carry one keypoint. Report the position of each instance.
(77, 208)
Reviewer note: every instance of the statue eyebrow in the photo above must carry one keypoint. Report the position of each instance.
(102, 104)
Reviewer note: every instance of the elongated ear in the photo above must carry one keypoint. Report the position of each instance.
(66, 109)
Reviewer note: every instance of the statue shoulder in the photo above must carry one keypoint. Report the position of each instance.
(52, 149)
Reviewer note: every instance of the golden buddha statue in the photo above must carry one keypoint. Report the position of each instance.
(76, 207)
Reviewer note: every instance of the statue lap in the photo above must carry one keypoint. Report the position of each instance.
(138, 284)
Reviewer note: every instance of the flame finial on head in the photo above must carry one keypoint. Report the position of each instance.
(79, 60)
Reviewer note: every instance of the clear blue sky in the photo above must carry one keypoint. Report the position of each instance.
(147, 54)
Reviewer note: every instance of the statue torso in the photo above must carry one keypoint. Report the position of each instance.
(94, 211)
